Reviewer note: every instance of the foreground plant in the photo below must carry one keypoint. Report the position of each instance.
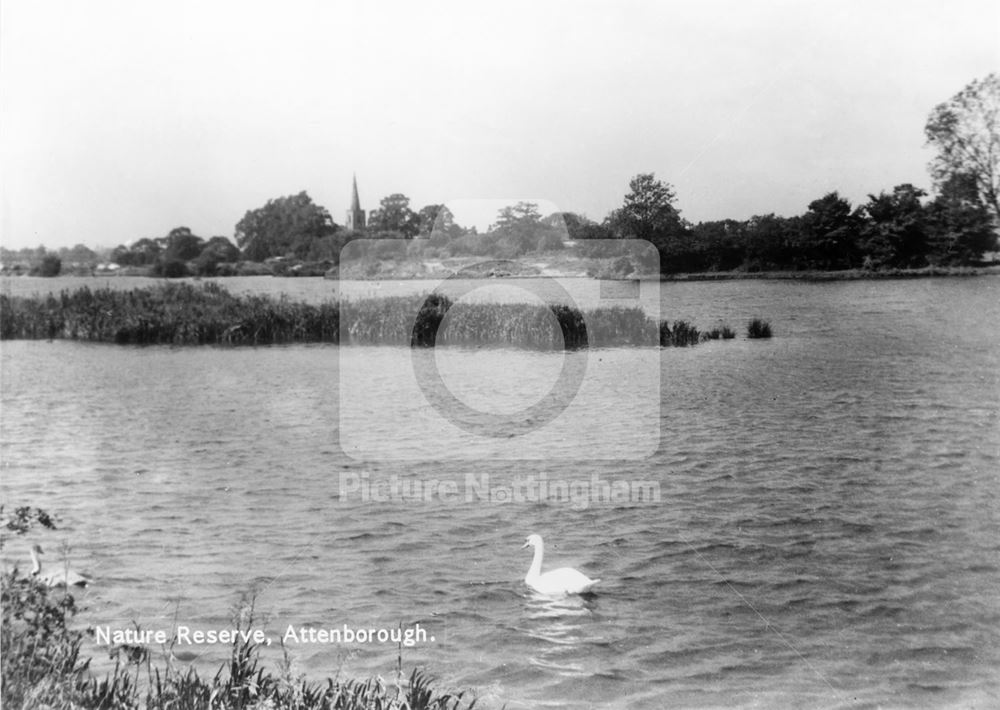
(41, 664)
(42, 667)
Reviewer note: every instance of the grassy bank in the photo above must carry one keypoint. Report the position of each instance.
(185, 314)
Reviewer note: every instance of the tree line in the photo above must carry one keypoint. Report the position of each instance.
(897, 229)
(901, 228)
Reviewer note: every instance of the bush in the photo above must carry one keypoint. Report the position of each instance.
(49, 266)
(252, 268)
(550, 241)
(41, 655)
(622, 266)
(171, 269)
(207, 264)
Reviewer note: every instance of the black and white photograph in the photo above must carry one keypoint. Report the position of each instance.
(445, 355)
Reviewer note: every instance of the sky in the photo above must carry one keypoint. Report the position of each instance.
(124, 120)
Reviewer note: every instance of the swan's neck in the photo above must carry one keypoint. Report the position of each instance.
(36, 566)
(536, 564)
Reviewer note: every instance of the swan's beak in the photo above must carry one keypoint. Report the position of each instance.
(525, 545)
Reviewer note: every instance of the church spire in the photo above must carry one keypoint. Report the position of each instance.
(355, 215)
(355, 202)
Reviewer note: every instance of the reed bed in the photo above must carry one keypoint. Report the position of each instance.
(207, 314)
(758, 328)
(719, 332)
(681, 334)
(175, 314)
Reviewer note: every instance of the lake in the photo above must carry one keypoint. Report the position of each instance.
(824, 529)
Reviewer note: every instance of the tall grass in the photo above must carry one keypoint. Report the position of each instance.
(186, 314)
(724, 332)
(42, 666)
(680, 335)
(758, 328)
(173, 313)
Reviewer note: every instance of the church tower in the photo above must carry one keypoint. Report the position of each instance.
(355, 215)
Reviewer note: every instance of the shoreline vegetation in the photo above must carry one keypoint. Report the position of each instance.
(43, 665)
(551, 265)
(904, 230)
(893, 235)
(843, 275)
(208, 314)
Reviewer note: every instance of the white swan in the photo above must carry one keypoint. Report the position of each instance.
(55, 578)
(564, 580)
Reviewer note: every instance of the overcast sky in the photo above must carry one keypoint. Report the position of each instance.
(123, 120)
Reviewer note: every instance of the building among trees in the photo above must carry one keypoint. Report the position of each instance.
(355, 215)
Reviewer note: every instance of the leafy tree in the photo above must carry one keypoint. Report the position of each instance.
(394, 215)
(121, 255)
(78, 254)
(428, 217)
(438, 223)
(965, 130)
(283, 226)
(519, 229)
(830, 230)
(217, 250)
(523, 215)
(144, 252)
(182, 245)
(576, 227)
(583, 230)
(648, 211)
(961, 186)
(49, 265)
(895, 233)
(720, 244)
(221, 248)
(568, 222)
(768, 239)
(960, 226)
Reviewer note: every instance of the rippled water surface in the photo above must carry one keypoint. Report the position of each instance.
(826, 533)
